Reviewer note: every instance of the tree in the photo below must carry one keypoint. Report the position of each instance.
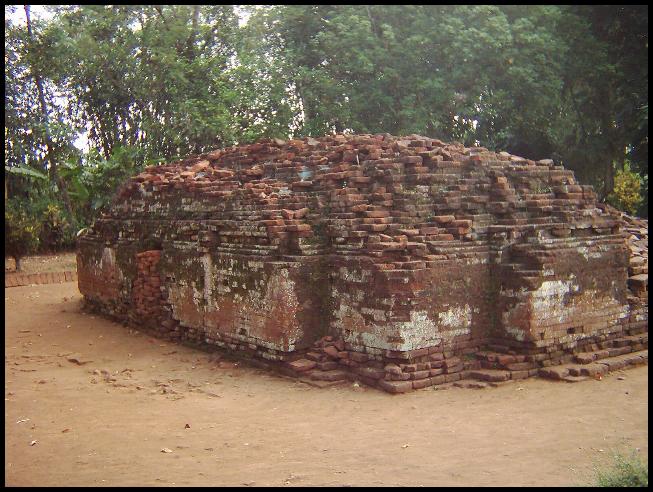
(21, 232)
(36, 138)
(152, 77)
(51, 161)
(606, 87)
(564, 81)
(154, 83)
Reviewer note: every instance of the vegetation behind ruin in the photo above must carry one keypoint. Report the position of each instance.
(94, 93)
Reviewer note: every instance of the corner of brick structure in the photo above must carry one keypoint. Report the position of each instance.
(402, 263)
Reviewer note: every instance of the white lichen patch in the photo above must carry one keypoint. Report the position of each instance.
(207, 263)
(477, 260)
(280, 303)
(354, 276)
(348, 320)
(549, 300)
(255, 265)
(421, 331)
(584, 251)
(516, 333)
(458, 317)
(560, 303)
(108, 260)
(377, 314)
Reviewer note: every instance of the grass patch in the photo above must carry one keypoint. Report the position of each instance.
(625, 472)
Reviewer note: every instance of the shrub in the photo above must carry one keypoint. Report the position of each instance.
(21, 231)
(54, 229)
(626, 472)
(626, 195)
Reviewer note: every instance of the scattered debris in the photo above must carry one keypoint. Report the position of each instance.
(78, 360)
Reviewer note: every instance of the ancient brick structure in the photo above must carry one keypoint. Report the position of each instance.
(399, 262)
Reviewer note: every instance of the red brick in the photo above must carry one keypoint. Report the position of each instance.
(505, 359)
(553, 372)
(302, 365)
(419, 374)
(593, 370)
(422, 383)
(395, 386)
(519, 366)
(397, 377)
(334, 375)
(358, 356)
(419, 352)
(437, 379)
(452, 362)
(519, 375)
(392, 369)
(370, 372)
(331, 351)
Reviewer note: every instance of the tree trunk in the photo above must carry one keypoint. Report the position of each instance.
(18, 265)
(190, 46)
(608, 184)
(44, 114)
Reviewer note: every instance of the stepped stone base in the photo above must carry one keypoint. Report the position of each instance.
(331, 362)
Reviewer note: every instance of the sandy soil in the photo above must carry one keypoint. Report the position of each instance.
(59, 262)
(90, 402)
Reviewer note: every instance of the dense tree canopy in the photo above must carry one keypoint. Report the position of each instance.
(144, 84)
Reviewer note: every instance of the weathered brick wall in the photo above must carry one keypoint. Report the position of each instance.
(403, 250)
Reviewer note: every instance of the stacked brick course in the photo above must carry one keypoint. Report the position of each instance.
(401, 262)
(16, 279)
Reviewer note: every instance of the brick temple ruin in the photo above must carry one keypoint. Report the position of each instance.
(400, 262)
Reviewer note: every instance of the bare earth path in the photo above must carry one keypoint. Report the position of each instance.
(101, 402)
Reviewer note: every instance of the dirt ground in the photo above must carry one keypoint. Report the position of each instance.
(59, 262)
(90, 402)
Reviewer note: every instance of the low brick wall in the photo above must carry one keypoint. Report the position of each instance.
(19, 279)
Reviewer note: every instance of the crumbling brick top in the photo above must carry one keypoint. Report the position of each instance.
(380, 196)
(636, 231)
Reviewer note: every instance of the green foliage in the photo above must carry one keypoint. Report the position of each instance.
(56, 233)
(625, 472)
(25, 171)
(155, 77)
(150, 83)
(21, 230)
(94, 182)
(568, 82)
(626, 195)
